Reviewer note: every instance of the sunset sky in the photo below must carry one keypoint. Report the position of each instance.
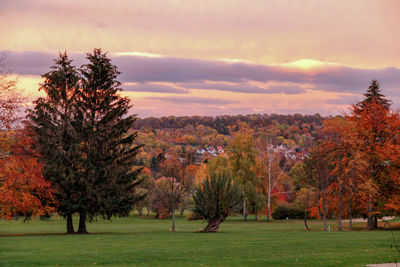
(212, 57)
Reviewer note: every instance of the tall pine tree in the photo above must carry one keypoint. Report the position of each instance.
(52, 120)
(374, 95)
(108, 182)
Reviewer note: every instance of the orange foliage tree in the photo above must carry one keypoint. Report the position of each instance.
(170, 190)
(379, 132)
(360, 155)
(23, 191)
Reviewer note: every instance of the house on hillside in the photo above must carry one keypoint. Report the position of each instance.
(200, 151)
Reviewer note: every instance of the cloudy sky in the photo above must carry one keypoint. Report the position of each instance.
(211, 57)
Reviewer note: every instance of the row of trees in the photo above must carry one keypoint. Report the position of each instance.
(351, 170)
(228, 123)
(250, 164)
(76, 155)
(355, 162)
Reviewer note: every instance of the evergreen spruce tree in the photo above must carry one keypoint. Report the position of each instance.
(52, 119)
(108, 182)
(374, 95)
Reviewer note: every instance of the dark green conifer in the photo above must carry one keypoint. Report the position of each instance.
(52, 119)
(374, 95)
(109, 179)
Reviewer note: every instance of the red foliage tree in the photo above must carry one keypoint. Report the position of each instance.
(378, 129)
(23, 191)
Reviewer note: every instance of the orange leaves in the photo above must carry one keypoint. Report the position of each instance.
(23, 191)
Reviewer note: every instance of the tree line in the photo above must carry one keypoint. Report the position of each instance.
(224, 124)
(77, 154)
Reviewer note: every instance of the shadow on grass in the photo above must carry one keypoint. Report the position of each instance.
(112, 233)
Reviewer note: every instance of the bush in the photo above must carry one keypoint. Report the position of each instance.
(193, 216)
(283, 212)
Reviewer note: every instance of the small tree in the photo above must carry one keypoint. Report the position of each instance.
(271, 174)
(242, 159)
(145, 189)
(317, 168)
(10, 99)
(215, 198)
(173, 186)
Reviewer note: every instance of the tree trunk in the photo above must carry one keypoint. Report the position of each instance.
(173, 220)
(372, 222)
(244, 209)
(319, 203)
(324, 210)
(268, 206)
(82, 224)
(340, 228)
(305, 211)
(213, 225)
(269, 185)
(350, 214)
(70, 225)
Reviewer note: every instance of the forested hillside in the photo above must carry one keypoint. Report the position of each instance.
(187, 134)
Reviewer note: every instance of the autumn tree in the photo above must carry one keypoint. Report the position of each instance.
(189, 176)
(23, 190)
(304, 190)
(377, 128)
(317, 168)
(242, 159)
(271, 174)
(215, 198)
(10, 98)
(358, 156)
(174, 184)
(335, 139)
(54, 121)
(145, 189)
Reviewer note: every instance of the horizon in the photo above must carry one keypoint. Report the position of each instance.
(212, 58)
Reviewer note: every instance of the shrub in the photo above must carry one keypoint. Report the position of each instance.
(193, 216)
(284, 211)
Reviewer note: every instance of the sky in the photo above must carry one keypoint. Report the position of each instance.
(215, 57)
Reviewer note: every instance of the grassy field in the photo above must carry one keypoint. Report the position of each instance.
(137, 241)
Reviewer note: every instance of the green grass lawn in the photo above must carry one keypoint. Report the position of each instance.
(137, 241)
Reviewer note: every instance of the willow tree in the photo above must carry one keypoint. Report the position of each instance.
(215, 198)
